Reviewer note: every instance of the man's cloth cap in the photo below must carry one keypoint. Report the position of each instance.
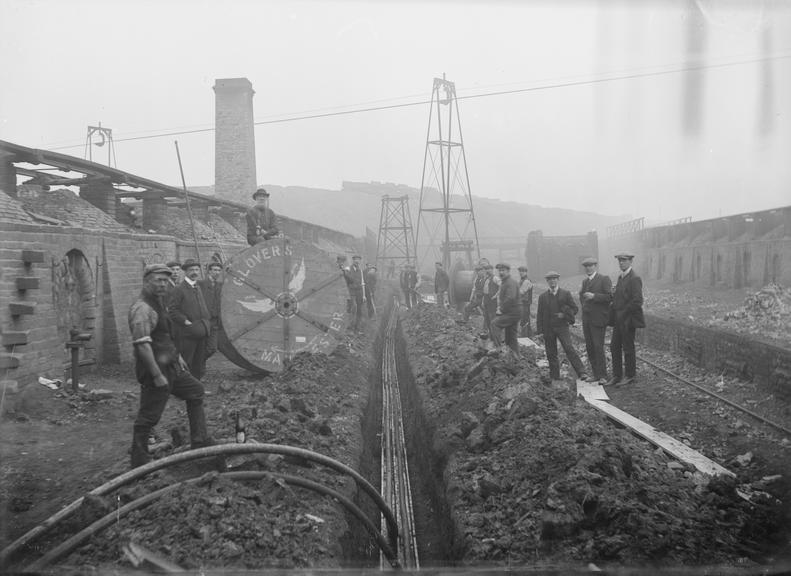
(522, 268)
(260, 192)
(211, 265)
(157, 269)
(357, 257)
(552, 274)
(589, 261)
(503, 266)
(173, 263)
(624, 256)
(189, 263)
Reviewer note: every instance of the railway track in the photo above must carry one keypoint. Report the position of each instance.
(703, 389)
(396, 487)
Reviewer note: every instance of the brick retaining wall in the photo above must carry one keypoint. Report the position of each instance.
(719, 351)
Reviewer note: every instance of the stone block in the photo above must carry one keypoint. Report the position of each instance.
(27, 282)
(19, 308)
(32, 256)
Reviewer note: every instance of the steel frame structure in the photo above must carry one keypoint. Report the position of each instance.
(395, 242)
(445, 166)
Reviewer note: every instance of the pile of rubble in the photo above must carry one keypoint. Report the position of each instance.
(315, 404)
(765, 313)
(536, 475)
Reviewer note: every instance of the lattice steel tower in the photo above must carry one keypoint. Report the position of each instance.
(395, 245)
(446, 221)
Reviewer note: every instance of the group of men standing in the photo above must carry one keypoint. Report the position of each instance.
(361, 283)
(505, 302)
(174, 325)
(602, 305)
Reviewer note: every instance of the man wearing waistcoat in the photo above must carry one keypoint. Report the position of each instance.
(595, 298)
(159, 368)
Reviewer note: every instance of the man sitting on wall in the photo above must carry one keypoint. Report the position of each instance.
(261, 219)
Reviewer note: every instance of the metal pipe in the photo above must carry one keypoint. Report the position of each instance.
(218, 450)
(189, 209)
(70, 544)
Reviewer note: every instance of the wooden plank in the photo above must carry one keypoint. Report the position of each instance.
(27, 282)
(32, 256)
(669, 444)
(591, 391)
(14, 338)
(18, 308)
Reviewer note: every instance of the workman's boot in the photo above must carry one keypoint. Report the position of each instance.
(199, 435)
(139, 452)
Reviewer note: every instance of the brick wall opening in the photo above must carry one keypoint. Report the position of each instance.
(73, 290)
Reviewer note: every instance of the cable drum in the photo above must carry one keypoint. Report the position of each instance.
(281, 297)
(461, 281)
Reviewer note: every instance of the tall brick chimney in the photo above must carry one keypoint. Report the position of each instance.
(234, 140)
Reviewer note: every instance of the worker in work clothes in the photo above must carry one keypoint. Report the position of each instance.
(490, 288)
(191, 319)
(370, 289)
(261, 219)
(441, 284)
(508, 311)
(408, 282)
(476, 294)
(355, 281)
(211, 287)
(626, 316)
(526, 299)
(595, 297)
(556, 311)
(159, 367)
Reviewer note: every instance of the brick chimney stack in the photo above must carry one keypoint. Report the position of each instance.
(234, 140)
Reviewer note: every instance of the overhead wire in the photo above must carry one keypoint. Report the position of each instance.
(567, 84)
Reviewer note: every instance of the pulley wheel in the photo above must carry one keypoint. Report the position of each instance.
(282, 297)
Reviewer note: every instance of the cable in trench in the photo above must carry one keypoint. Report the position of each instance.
(396, 489)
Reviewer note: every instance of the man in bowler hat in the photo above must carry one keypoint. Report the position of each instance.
(261, 219)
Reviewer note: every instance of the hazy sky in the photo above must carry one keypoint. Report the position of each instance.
(615, 147)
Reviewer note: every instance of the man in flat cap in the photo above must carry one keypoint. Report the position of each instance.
(476, 294)
(191, 318)
(355, 282)
(526, 300)
(441, 284)
(159, 368)
(556, 311)
(489, 305)
(508, 311)
(211, 287)
(595, 298)
(261, 219)
(626, 317)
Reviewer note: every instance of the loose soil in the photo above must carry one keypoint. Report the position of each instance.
(526, 474)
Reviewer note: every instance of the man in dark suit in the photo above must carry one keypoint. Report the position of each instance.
(595, 298)
(508, 311)
(441, 284)
(191, 319)
(556, 311)
(212, 294)
(626, 317)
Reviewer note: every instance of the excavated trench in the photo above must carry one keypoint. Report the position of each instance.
(435, 531)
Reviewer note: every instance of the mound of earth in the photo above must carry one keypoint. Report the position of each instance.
(534, 475)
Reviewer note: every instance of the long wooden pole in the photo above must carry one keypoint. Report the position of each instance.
(189, 209)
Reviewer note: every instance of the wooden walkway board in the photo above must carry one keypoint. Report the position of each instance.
(591, 391)
(669, 444)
